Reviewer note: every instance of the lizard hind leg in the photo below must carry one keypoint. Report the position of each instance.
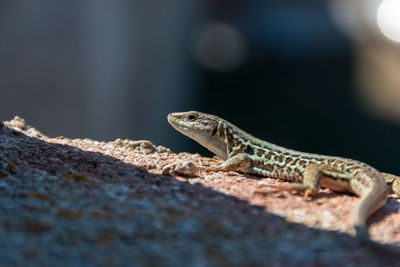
(311, 182)
(396, 186)
(393, 182)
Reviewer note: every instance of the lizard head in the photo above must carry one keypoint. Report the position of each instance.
(201, 127)
(194, 124)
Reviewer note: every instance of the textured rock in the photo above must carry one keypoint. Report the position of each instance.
(83, 202)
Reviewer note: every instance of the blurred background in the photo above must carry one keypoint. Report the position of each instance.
(317, 76)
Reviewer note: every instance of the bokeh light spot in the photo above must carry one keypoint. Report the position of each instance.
(388, 17)
(219, 47)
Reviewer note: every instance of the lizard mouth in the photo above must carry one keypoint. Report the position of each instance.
(179, 125)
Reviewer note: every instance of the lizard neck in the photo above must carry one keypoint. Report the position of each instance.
(237, 141)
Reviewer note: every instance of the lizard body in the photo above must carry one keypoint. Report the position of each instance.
(243, 152)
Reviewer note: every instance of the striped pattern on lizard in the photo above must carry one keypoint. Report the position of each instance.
(243, 152)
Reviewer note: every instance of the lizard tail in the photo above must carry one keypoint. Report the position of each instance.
(371, 200)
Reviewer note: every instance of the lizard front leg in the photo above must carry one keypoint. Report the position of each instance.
(241, 161)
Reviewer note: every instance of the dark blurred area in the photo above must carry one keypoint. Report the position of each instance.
(317, 76)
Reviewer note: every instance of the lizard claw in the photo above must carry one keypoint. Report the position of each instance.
(277, 189)
(209, 168)
(267, 192)
(307, 193)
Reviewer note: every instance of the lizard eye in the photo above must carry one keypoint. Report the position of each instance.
(191, 117)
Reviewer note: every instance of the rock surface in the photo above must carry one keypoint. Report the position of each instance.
(129, 203)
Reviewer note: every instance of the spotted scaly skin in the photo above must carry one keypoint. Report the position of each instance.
(243, 152)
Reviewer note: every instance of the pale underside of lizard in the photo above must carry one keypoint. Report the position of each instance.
(245, 153)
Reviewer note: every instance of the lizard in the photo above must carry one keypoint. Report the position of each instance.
(307, 172)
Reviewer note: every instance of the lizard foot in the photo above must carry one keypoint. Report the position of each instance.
(299, 188)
